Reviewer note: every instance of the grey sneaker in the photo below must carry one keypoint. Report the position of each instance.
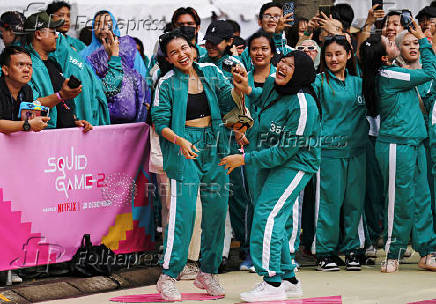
(166, 286)
(210, 283)
(189, 272)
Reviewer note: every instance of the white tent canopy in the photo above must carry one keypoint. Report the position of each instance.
(145, 19)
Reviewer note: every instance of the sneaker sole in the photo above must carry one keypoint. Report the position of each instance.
(244, 268)
(266, 299)
(292, 294)
(354, 268)
(426, 267)
(330, 269)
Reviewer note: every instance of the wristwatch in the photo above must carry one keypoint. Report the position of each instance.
(26, 125)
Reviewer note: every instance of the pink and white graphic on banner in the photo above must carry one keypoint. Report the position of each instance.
(57, 185)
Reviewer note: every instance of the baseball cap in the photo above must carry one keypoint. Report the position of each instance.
(39, 21)
(13, 20)
(428, 11)
(218, 31)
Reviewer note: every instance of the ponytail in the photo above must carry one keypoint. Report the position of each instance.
(371, 52)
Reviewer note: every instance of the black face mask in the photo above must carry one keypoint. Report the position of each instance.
(188, 31)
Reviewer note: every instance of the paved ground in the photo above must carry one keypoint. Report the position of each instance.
(369, 286)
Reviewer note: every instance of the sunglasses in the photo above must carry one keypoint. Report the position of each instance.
(335, 38)
(302, 48)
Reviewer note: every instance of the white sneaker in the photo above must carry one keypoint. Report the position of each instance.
(189, 272)
(210, 283)
(264, 292)
(252, 269)
(390, 266)
(292, 290)
(166, 286)
(15, 278)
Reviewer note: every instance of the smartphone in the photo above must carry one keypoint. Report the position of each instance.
(406, 19)
(289, 7)
(326, 9)
(74, 82)
(379, 3)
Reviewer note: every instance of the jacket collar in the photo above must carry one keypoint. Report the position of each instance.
(331, 75)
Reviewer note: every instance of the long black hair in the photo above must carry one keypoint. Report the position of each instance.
(351, 63)
(371, 52)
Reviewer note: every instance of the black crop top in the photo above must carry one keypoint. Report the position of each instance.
(259, 84)
(197, 106)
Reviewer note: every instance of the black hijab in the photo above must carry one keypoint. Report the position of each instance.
(302, 79)
(304, 75)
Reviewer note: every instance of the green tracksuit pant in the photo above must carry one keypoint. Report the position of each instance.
(275, 228)
(374, 204)
(205, 173)
(240, 206)
(340, 185)
(408, 202)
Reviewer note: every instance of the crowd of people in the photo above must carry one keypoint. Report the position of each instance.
(309, 134)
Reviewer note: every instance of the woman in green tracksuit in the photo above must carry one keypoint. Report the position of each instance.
(340, 181)
(399, 148)
(286, 156)
(261, 49)
(189, 103)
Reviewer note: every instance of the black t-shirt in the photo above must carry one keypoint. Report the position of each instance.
(8, 105)
(65, 110)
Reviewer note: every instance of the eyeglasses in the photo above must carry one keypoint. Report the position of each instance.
(335, 37)
(269, 17)
(302, 48)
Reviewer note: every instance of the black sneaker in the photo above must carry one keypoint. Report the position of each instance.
(327, 264)
(352, 262)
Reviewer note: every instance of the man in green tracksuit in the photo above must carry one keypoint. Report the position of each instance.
(341, 179)
(271, 21)
(401, 154)
(91, 104)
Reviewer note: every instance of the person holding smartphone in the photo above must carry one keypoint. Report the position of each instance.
(285, 158)
(390, 91)
(190, 101)
(271, 20)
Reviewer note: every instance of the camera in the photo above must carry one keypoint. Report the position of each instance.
(228, 65)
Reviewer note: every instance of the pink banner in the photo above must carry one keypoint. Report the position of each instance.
(57, 185)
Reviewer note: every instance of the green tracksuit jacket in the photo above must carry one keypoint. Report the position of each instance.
(285, 156)
(91, 103)
(341, 182)
(169, 111)
(401, 154)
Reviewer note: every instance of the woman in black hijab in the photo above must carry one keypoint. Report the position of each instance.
(285, 156)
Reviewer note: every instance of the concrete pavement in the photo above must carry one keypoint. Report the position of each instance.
(369, 286)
